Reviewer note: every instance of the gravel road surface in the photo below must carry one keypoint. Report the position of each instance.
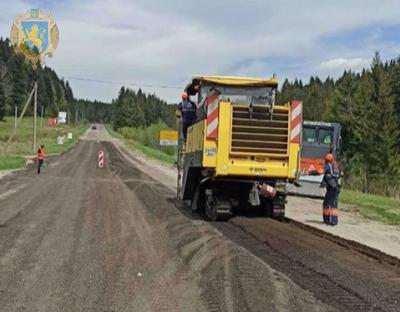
(81, 238)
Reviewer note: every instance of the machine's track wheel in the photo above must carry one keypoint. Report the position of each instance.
(267, 207)
(278, 207)
(215, 208)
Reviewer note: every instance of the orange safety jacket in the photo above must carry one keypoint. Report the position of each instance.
(40, 154)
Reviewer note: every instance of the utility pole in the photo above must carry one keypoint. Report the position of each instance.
(34, 117)
(76, 116)
(15, 117)
(68, 115)
(20, 118)
(41, 118)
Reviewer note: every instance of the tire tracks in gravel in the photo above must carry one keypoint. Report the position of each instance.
(79, 236)
(344, 287)
(25, 233)
(223, 271)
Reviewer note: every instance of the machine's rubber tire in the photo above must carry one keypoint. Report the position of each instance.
(279, 215)
(267, 207)
(279, 205)
(210, 208)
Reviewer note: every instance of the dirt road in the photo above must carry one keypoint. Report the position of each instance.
(80, 238)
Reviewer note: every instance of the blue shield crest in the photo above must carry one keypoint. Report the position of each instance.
(35, 35)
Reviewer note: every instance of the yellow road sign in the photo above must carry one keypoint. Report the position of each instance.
(168, 137)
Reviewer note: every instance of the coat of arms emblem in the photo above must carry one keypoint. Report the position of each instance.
(35, 36)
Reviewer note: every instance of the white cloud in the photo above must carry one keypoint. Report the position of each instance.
(166, 42)
(355, 64)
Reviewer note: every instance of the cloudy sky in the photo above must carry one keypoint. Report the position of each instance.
(163, 43)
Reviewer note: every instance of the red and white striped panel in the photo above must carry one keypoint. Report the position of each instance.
(100, 159)
(296, 120)
(212, 116)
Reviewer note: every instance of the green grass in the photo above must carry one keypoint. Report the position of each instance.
(151, 152)
(146, 150)
(148, 137)
(21, 144)
(11, 162)
(374, 207)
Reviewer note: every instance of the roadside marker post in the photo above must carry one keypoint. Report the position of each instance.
(168, 138)
(100, 159)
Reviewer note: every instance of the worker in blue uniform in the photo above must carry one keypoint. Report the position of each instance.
(331, 182)
(187, 112)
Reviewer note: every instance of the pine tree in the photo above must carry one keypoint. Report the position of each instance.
(358, 135)
(344, 112)
(136, 114)
(314, 101)
(395, 85)
(18, 81)
(383, 155)
(121, 111)
(2, 101)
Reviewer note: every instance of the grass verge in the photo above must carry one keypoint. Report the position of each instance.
(11, 162)
(145, 150)
(374, 207)
(12, 157)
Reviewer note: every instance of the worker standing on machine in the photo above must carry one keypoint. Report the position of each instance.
(331, 182)
(187, 112)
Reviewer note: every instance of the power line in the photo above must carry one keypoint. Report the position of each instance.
(124, 83)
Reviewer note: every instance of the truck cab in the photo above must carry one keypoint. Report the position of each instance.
(318, 139)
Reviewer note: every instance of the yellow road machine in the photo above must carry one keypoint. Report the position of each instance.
(242, 149)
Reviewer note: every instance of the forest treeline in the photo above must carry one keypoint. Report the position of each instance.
(17, 79)
(137, 109)
(367, 105)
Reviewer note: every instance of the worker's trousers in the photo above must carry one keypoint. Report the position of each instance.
(185, 126)
(40, 164)
(330, 205)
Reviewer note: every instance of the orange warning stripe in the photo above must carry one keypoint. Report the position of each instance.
(327, 211)
(330, 212)
(334, 212)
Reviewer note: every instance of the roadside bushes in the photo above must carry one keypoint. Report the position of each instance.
(148, 136)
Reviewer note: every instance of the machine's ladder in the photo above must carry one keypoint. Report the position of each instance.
(179, 161)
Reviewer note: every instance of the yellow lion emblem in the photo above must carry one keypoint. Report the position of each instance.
(34, 38)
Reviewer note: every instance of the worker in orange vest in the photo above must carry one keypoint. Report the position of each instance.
(331, 182)
(41, 157)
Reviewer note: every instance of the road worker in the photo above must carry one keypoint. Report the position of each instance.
(187, 112)
(40, 157)
(331, 182)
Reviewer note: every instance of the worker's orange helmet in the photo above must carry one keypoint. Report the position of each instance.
(329, 158)
(184, 96)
